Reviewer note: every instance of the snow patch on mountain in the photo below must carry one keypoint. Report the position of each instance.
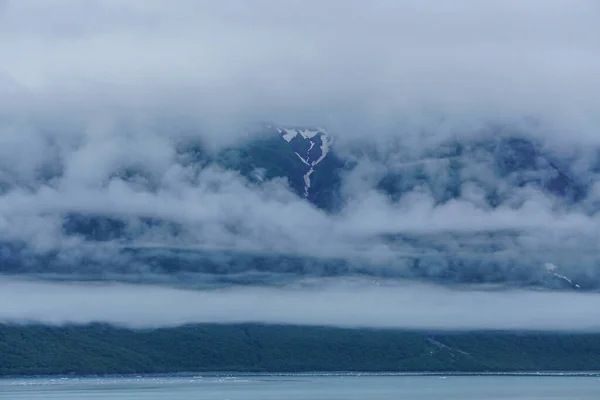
(289, 134)
(308, 134)
(307, 181)
(302, 159)
(324, 149)
(552, 269)
(313, 136)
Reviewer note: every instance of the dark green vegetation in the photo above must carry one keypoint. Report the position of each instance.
(101, 349)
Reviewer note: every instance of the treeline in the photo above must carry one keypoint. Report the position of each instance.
(102, 349)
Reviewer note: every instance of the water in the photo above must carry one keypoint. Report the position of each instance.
(314, 387)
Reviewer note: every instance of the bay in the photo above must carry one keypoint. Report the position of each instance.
(307, 386)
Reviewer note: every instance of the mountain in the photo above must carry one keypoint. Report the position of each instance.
(101, 350)
(499, 166)
(303, 156)
(499, 171)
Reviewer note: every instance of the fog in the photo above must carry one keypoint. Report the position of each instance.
(343, 304)
(91, 90)
(348, 64)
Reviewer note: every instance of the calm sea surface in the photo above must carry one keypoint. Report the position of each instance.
(298, 387)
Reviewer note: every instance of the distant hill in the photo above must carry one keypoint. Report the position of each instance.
(99, 349)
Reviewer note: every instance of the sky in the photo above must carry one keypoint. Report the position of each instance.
(88, 89)
(346, 63)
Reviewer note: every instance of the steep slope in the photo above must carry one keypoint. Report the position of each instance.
(303, 143)
(304, 158)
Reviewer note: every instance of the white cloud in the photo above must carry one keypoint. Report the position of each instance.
(346, 304)
(337, 61)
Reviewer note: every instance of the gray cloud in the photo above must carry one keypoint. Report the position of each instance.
(343, 63)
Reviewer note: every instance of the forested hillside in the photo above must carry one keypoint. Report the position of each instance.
(101, 349)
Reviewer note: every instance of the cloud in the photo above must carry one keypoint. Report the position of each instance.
(91, 92)
(221, 211)
(358, 66)
(346, 304)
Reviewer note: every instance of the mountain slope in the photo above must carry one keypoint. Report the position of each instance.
(304, 157)
(410, 195)
(99, 349)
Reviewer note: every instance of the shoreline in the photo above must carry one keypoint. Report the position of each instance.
(234, 374)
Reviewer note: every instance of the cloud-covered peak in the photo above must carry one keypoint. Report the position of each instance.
(485, 207)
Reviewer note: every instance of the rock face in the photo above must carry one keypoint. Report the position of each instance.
(311, 147)
(303, 156)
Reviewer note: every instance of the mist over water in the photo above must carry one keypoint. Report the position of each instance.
(465, 152)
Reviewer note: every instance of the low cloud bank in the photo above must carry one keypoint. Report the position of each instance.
(341, 303)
